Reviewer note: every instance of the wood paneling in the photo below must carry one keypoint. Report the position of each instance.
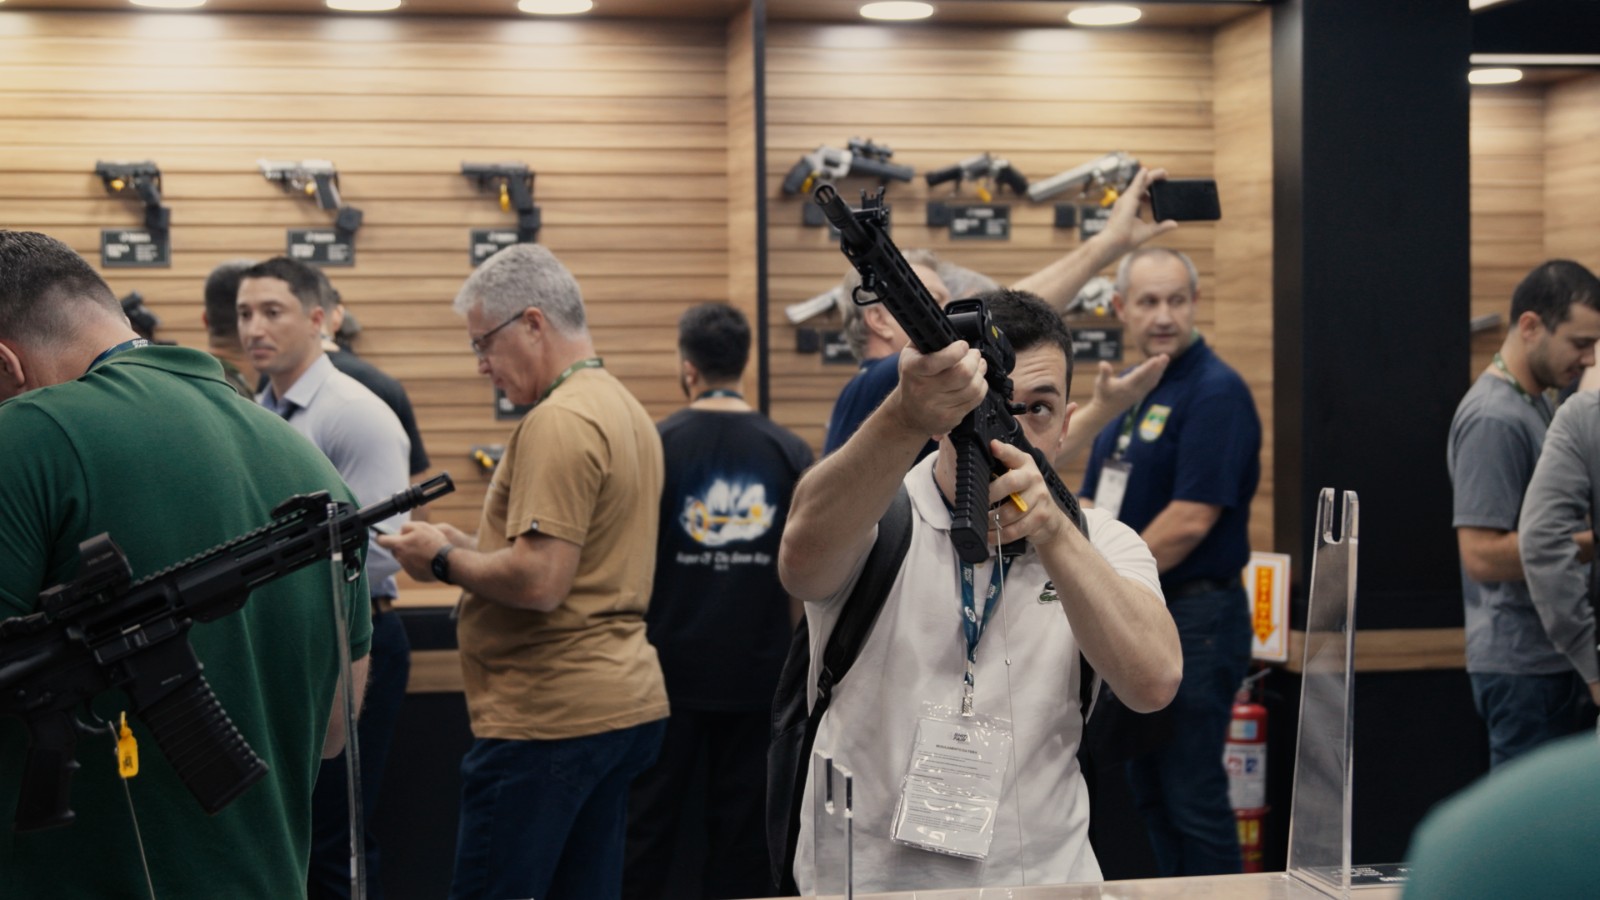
(1045, 99)
(1572, 171)
(626, 124)
(1242, 297)
(1508, 204)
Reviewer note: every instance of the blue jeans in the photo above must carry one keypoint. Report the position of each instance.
(329, 878)
(1524, 711)
(547, 819)
(1182, 789)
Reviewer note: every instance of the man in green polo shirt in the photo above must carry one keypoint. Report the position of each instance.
(101, 432)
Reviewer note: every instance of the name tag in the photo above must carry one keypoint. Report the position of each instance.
(1113, 485)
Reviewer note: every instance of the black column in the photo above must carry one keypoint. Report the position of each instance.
(1371, 281)
(1370, 356)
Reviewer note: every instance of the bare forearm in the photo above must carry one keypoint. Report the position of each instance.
(839, 501)
(1122, 626)
(1490, 556)
(1059, 282)
(334, 739)
(1174, 533)
(504, 578)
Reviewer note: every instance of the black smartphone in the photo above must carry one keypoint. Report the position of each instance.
(1185, 200)
(381, 528)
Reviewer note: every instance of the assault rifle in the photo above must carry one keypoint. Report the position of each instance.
(142, 179)
(986, 170)
(827, 163)
(886, 275)
(99, 632)
(515, 185)
(317, 179)
(1110, 172)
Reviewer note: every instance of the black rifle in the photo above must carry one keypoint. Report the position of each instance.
(143, 179)
(984, 169)
(99, 632)
(886, 275)
(515, 184)
(860, 158)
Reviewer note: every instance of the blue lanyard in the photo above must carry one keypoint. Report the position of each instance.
(719, 392)
(972, 625)
(109, 352)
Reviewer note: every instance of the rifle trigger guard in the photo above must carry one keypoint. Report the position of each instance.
(94, 726)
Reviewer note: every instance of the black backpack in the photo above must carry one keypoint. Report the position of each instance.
(1114, 733)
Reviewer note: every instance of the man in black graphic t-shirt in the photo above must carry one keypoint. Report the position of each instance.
(718, 617)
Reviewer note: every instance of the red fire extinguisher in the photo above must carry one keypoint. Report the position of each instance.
(1245, 756)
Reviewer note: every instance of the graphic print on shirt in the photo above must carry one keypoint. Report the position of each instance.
(727, 512)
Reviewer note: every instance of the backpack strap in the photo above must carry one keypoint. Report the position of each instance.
(866, 600)
(856, 619)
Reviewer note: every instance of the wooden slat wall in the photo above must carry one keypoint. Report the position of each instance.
(1508, 204)
(626, 124)
(1047, 100)
(1241, 301)
(1572, 171)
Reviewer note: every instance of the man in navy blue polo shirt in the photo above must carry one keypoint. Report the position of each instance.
(1181, 468)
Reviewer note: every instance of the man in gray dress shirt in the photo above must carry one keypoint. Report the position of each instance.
(280, 327)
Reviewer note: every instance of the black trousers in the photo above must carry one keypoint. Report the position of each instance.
(733, 746)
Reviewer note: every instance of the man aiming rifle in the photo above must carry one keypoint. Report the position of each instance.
(1069, 586)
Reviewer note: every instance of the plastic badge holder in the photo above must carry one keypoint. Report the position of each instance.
(951, 793)
(1319, 817)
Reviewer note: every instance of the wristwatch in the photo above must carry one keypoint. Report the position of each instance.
(441, 564)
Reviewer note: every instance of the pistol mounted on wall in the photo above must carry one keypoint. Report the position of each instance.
(514, 183)
(317, 179)
(142, 179)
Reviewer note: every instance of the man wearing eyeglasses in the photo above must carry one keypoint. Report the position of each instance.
(565, 694)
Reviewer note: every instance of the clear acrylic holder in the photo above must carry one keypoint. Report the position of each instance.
(1319, 816)
(833, 827)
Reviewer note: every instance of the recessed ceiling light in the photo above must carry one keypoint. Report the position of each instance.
(1104, 15)
(897, 10)
(555, 7)
(362, 5)
(1494, 76)
(169, 4)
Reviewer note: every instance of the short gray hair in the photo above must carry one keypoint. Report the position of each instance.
(961, 282)
(1126, 266)
(525, 276)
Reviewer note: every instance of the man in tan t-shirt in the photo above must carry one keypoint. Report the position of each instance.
(565, 694)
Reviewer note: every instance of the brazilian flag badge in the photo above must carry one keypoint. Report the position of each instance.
(1154, 421)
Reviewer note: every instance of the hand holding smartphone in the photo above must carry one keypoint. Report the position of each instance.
(1185, 200)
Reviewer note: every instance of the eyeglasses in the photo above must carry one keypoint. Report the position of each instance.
(480, 345)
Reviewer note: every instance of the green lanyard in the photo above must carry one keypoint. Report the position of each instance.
(1542, 408)
(719, 392)
(1126, 437)
(593, 362)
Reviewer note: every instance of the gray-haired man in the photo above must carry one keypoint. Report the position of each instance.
(565, 694)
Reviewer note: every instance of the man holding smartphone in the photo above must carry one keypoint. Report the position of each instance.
(1181, 468)
(280, 326)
